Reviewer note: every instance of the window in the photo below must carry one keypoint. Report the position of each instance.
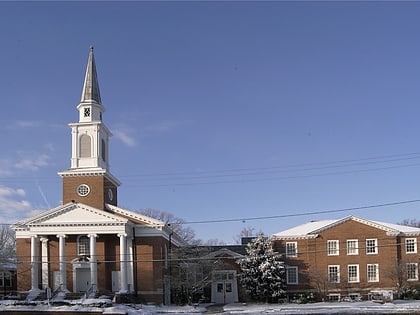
(86, 112)
(412, 271)
(411, 245)
(85, 144)
(353, 273)
(292, 275)
(291, 249)
(103, 150)
(333, 248)
(372, 272)
(334, 297)
(371, 246)
(5, 279)
(352, 247)
(334, 274)
(83, 190)
(83, 246)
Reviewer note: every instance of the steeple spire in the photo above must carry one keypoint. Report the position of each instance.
(90, 91)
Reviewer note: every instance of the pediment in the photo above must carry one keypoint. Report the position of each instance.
(73, 214)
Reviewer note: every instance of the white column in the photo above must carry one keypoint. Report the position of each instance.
(34, 263)
(62, 261)
(123, 263)
(93, 263)
(130, 265)
(44, 262)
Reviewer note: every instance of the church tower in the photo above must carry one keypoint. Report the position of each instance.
(88, 180)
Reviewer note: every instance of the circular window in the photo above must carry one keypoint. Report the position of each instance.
(83, 190)
(110, 194)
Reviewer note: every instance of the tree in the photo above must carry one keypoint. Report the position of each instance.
(410, 222)
(245, 232)
(176, 224)
(7, 243)
(262, 271)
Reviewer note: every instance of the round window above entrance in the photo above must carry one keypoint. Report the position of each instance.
(83, 190)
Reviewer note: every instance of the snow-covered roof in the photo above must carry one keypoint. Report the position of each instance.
(311, 229)
(304, 230)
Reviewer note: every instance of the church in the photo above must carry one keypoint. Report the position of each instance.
(89, 244)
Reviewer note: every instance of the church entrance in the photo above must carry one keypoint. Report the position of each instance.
(81, 275)
(82, 279)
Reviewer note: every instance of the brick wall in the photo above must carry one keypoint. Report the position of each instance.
(313, 259)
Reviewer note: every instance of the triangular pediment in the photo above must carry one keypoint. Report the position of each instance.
(356, 219)
(72, 214)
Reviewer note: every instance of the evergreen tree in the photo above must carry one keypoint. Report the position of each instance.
(262, 271)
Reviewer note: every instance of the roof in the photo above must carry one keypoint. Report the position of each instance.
(311, 229)
(91, 91)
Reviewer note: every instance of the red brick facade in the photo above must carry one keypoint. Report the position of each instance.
(352, 257)
(149, 264)
(99, 190)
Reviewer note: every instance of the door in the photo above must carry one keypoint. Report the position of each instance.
(82, 279)
(224, 288)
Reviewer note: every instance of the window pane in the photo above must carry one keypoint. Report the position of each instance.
(353, 273)
(411, 245)
(332, 248)
(334, 274)
(291, 249)
(372, 272)
(371, 246)
(292, 275)
(412, 271)
(83, 246)
(352, 247)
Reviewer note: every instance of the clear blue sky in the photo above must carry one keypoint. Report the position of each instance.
(220, 110)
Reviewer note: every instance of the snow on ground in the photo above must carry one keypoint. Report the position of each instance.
(367, 307)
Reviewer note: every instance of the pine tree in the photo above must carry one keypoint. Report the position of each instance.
(262, 271)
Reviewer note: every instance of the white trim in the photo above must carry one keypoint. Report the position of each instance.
(296, 274)
(357, 275)
(333, 250)
(356, 248)
(414, 245)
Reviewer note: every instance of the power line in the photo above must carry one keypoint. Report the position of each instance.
(304, 213)
(396, 203)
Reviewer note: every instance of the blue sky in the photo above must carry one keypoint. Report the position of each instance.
(219, 110)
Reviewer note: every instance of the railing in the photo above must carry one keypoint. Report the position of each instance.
(89, 292)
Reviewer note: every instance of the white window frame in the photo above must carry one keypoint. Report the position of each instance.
(83, 249)
(416, 271)
(353, 250)
(413, 244)
(289, 252)
(369, 247)
(333, 247)
(375, 269)
(357, 273)
(296, 274)
(331, 273)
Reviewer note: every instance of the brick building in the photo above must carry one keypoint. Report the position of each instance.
(89, 244)
(349, 257)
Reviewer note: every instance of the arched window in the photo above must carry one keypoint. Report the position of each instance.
(103, 150)
(83, 246)
(85, 147)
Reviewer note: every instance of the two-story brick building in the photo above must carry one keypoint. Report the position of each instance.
(349, 257)
(90, 244)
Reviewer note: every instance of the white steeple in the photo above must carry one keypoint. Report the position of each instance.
(90, 136)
